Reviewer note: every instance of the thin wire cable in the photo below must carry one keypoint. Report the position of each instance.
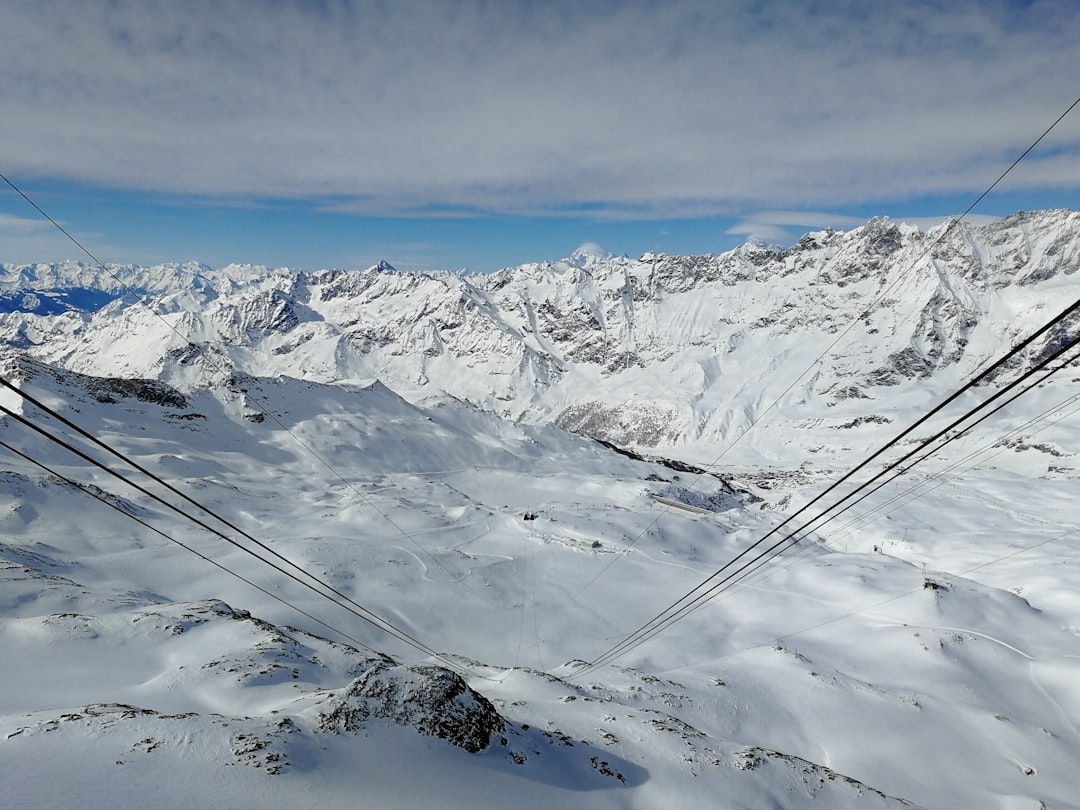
(952, 436)
(937, 479)
(952, 224)
(698, 597)
(345, 602)
(135, 465)
(1025, 426)
(945, 476)
(985, 374)
(221, 370)
(202, 524)
(948, 438)
(747, 568)
(676, 613)
(98, 496)
(745, 579)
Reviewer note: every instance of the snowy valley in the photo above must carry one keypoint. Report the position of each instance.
(516, 471)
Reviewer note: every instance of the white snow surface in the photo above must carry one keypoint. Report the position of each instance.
(403, 438)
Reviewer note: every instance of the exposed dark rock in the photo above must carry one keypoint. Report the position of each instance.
(431, 699)
(110, 390)
(639, 423)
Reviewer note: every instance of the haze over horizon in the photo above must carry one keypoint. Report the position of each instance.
(440, 136)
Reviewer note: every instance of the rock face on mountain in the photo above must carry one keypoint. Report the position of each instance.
(433, 700)
(659, 351)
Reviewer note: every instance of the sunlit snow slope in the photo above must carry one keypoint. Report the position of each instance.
(917, 651)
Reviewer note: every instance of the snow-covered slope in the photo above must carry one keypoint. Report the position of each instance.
(929, 657)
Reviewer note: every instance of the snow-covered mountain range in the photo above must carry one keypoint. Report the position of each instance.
(660, 351)
(423, 443)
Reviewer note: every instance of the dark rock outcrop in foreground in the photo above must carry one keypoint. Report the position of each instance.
(431, 699)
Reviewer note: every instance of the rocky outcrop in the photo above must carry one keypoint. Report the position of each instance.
(433, 700)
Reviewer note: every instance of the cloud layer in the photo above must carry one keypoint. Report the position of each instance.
(616, 110)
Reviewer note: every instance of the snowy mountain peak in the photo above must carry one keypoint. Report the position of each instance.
(588, 254)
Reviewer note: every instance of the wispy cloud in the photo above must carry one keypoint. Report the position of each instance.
(782, 227)
(11, 226)
(23, 240)
(618, 110)
(772, 226)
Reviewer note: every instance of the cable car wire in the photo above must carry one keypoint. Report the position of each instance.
(218, 368)
(952, 224)
(338, 598)
(99, 497)
(704, 591)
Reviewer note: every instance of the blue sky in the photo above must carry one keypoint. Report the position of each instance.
(477, 135)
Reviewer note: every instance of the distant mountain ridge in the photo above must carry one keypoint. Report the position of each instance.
(659, 351)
